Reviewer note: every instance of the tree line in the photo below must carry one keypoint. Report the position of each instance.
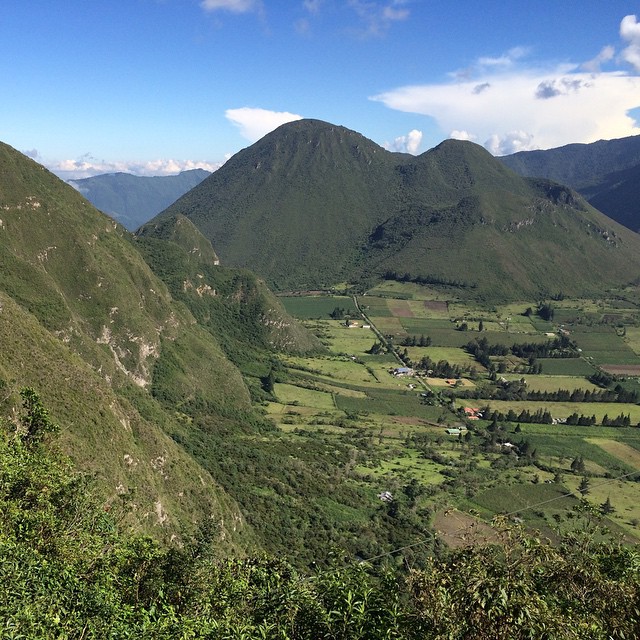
(517, 390)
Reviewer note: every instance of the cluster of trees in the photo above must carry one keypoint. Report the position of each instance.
(545, 311)
(560, 347)
(338, 313)
(542, 416)
(516, 390)
(602, 379)
(481, 350)
(440, 369)
(619, 421)
(68, 571)
(581, 420)
(426, 280)
(580, 395)
(414, 341)
(376, 348)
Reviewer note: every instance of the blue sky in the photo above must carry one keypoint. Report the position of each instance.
(156, 86)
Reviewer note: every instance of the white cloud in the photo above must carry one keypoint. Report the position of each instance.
(34, 154)
(377, 17)
(461, 135)
(511, 142)
(234, 6)
(506, 59)
(606, 55)
(406, 144)
(630, 32)
(515, 106)
(86, 166)
(256, 123)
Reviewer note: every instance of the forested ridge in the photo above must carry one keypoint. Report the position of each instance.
(69, 572)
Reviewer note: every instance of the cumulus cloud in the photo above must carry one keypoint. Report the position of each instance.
(630, 33)
(256, 123)
(511, 142)
(233, 6)
(406, 144)
(87, 166)
(461, 135)
(514, 105)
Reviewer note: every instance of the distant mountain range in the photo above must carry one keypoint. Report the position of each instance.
(606, 173)
(313, 204)
(132, 200)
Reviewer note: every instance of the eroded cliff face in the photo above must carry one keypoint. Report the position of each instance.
(84, 321)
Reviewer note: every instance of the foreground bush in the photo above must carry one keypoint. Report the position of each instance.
(67, 572)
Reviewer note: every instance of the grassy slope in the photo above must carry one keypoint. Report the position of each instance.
(233, 305)
(87, 323)
(504, 236)
(293, 206)
(312, 204)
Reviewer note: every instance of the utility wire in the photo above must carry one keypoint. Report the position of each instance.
(506, 515)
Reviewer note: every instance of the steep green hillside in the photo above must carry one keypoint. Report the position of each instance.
(148, 399)
(132, 200)
(618, 196)
(293, 206)
(494, 234)
(233, 305)
(605, 172)
(86, 322)
(312, 204)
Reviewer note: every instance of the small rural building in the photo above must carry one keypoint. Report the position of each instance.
(403, 371)
(472, 413)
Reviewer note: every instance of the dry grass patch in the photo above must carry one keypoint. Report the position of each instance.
(620, 450)
(622, 369)
(458, 529)
(450, 382)
(400, 308)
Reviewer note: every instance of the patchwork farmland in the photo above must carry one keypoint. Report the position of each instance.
(552, 404)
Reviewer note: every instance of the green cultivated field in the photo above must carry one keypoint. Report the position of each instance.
(566, 367)
(450, 354)
(632, 338)
(396, 426)
(290, 394)
(554, 383)
(312, 307)
(605, 347)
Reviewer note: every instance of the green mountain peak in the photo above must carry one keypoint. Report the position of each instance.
(314, 204)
